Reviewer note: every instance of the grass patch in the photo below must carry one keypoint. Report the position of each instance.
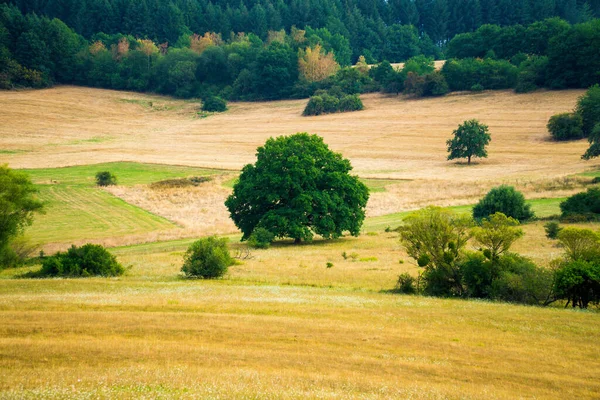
(128, 173)
(76, 213)
(378, 185)
(13, 151)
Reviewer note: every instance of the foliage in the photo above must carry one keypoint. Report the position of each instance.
(315, 64)
(496, 234)
(580, 244)
(406, 284)
(261, 238)
(207, 258)
(84, 261)
(566, 126)
(588, 107)
(585, 203)
(488, 73)
(579, 283)
(504, 199)
(17, 207)
(298, 188)
(594, 139)
(430, 85)
(552, 229)
(214, 104)
(532, 74)
(469, 141)
(435, 238)
(324, 102)
(105, 178)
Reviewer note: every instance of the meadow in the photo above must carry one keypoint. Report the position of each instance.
(280, 324)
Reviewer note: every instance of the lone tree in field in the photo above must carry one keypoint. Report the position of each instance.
(298, 188)
(469, 140)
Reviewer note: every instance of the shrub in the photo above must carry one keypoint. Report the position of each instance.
(588, 107)
(329, 265)
(521, 281)
(584, 203)
(105, 178)
(579, 283)
(87, 260)
(333, 101)
(207, 258)
(552, 229)
(580, 244)
(566, 126)
(504, 199)
(477, 88)
(261, 238)
(532, 74)
(214, 104)
(406, 284)
(477, 275)
(350, 102)
(430, 85)
(489, 73)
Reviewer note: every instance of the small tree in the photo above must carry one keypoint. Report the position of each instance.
(579, 283)
(17, 207)
(504, 199)
(435, 238)
(496, 234)
(214, 104)
(469, 140)
(105, 178)
(207, 258)
(298, 188)
(261, 238)
(580, 244)
(594, 139)
(584, 203)
(315, 64)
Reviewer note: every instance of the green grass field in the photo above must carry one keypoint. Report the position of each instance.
(128, 173)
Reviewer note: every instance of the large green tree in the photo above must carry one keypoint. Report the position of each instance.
(17, 205)
(469, 141)
(298, 188)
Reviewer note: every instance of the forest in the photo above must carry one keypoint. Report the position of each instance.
(248, 50)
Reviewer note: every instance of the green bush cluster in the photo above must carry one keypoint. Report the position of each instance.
(504, 199)
(566, 126)
(429, 85)
(585, 204)
(207, 258)
(323, 102)
(214, 104)
(84, 261)
(493, 74)
(105, 178)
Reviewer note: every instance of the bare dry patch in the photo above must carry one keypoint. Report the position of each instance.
(199, 210)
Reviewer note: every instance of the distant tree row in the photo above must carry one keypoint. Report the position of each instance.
(38, 51)
(367, 24)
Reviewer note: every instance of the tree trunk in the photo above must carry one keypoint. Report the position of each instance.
(468, 160)
(297, 240)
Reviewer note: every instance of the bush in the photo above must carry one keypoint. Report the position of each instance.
(261, 238)
(521, 281)
(207, 258)
(406, 284)
(430, 85)
(478, 274)
(579, 283)
(566, 126)
(552, 229)
(532, 74)
(105, 178)
(331, 102)
(489, 73)
(477, 88)
(588, 107)
(585, 203)
(504, 199)
(87, 260)
(214, 104)
(350, 102)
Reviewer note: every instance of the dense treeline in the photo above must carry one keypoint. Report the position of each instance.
(373, 27)
(36, 51)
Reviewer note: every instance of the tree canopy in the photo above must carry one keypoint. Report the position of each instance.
(298, 187)
(470, 139)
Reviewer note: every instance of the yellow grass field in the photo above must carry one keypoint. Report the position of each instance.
(281, 324)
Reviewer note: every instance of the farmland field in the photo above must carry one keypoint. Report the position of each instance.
(283, 323)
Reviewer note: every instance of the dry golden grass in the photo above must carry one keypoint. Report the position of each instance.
(120, 338)
(394, 137)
